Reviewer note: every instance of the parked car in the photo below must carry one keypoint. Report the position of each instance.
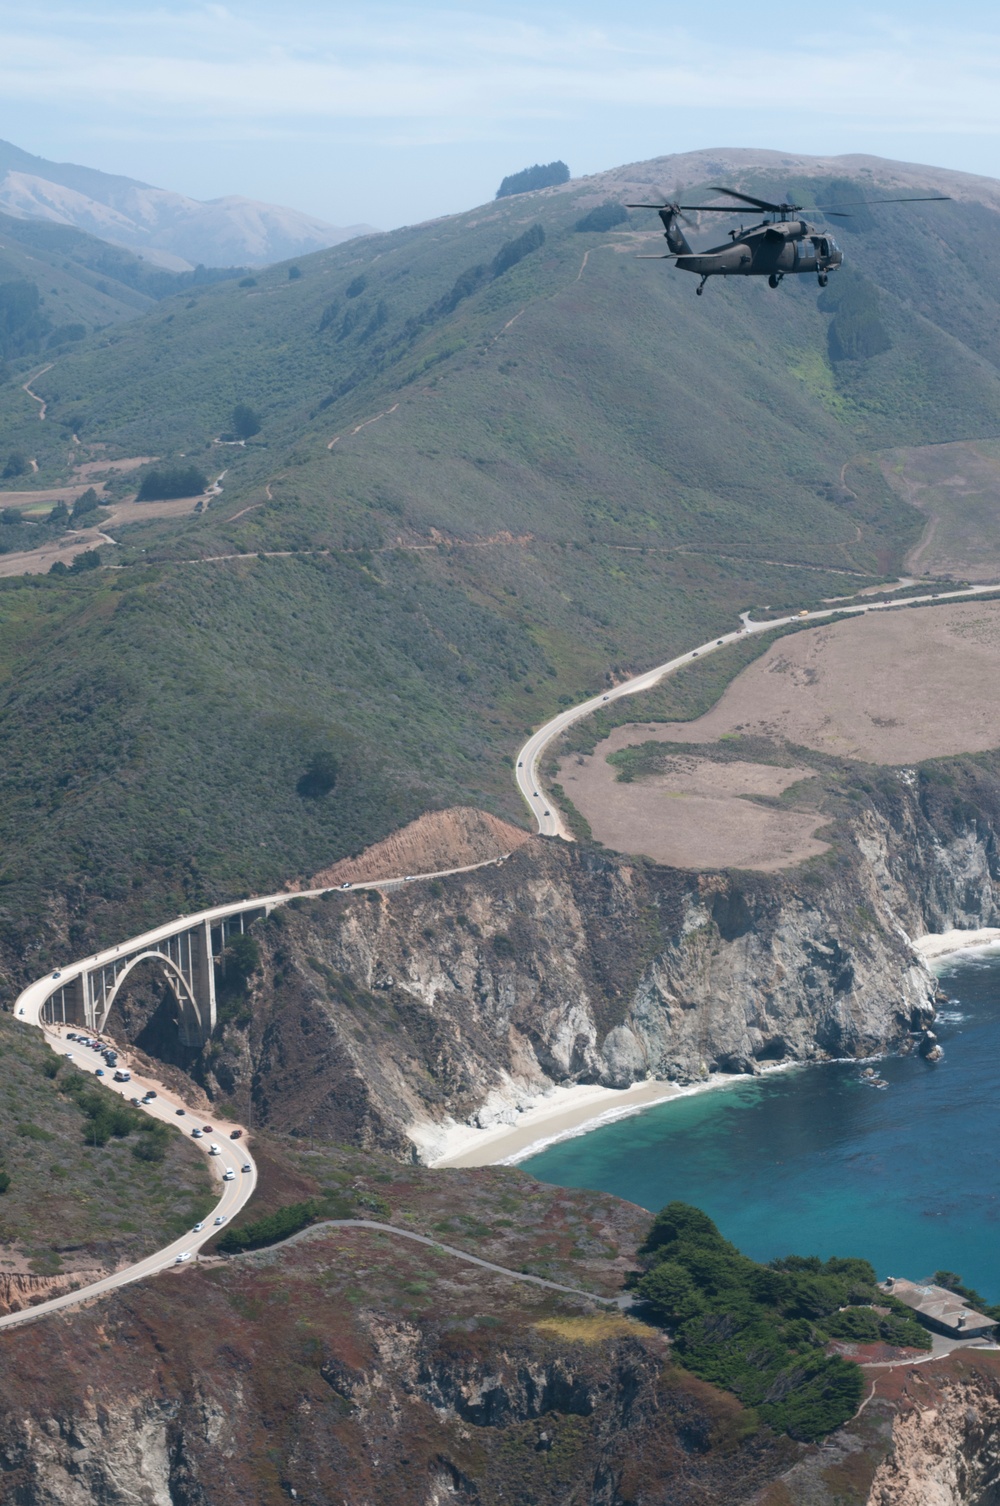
(57, 974)
(213, 1150)
(178, 1111)
(121, 1076)
(181, 1258)
(98, 1071)
(246, 1165)
(229, 1176)
(236, 1134)
(208, 1129)
(196, 1133)
(149, 1094)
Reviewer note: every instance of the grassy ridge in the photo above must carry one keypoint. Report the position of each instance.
(580, 470)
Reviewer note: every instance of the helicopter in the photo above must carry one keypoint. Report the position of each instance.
(778, 245)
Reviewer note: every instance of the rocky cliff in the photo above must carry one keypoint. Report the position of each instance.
(352, 1367)
(383, 1017)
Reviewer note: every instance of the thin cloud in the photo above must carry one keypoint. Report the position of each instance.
(459, 74)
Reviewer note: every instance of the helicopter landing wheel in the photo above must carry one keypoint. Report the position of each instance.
(774, 280)
(701, 286)
(822, 279)
(699, 291)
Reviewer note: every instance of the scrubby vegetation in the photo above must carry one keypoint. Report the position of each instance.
(763, 1331)
(605, 217)
(86, 1175)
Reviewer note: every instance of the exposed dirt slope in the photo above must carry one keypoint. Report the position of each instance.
(440, 839)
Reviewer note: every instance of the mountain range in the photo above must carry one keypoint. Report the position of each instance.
(168, 229)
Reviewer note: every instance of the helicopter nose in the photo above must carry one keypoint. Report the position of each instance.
(837, 258)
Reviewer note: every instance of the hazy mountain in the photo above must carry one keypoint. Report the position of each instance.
(167, 228)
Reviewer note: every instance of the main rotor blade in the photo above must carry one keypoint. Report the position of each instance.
(702, 208)
(923, 198)
(749, 199)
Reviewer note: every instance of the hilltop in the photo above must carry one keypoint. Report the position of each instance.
(170, 229)
(500, 464)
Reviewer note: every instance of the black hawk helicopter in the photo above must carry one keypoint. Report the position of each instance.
(775, 247)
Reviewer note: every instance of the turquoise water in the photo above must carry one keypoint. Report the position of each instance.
(813, 1162)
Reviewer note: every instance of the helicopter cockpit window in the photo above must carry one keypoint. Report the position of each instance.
(823, 247)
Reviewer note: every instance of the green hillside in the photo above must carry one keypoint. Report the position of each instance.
(579, 469)
(82, 285)
(84, 1178)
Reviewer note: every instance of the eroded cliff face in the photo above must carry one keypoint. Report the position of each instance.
(387, 1017)
(352, 1370)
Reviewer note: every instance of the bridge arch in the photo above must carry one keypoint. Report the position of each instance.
(191, 1024)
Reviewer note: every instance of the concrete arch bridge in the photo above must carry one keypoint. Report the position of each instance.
(185, 949)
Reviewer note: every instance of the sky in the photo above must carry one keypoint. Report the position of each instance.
(389, 114)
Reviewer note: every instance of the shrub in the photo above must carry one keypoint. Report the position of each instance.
(356, 288)
(514, 251)
(59, 516)
(605, 217)
(88, 560)
(4, 1181)
(11, 516)
(164, 482)
(294, 273)
(531, 178)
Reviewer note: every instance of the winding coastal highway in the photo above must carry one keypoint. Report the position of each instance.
(546, 814)
(234, 1155)
(231, 1155)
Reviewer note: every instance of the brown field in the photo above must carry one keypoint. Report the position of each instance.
(889, 688)
(696, 814)
(958, 487)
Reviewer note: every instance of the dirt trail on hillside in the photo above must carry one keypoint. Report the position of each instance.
(440, 839)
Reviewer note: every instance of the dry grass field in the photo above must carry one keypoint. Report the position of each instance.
(696, 814)
(958, 487)
(893, 688)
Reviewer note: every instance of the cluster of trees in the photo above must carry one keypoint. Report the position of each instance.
(165, 481)
(271, 1228)
(605, 217)
(530, 178)
(473, 278)
(762, 1331)
(856, 330)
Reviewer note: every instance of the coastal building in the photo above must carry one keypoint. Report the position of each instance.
(939, 1309)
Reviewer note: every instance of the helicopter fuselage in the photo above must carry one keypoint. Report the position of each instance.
(770, 250)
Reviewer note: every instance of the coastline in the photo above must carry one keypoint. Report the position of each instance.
(939, 944)
(565, 1113)
(562, 1113)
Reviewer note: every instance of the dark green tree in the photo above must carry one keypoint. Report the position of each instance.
(245, 422)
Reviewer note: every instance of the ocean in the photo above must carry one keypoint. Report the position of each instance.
(814, 1161)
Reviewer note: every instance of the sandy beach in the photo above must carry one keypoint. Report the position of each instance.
(563, 1113)
(943, 943)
